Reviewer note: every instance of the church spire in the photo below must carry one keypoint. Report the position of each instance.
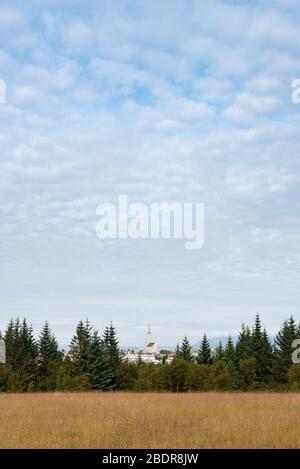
(150, 345)
(148, 338)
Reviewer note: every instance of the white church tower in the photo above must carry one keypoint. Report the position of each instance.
(150, 345)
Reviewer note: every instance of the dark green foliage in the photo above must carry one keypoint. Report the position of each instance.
(111, 348)
(145, 380)
(247, 372)
(21, 356)
(179, 375)
(184, 352)
(64, 375)
(177, 351)
(162, 378)
(283, 350)
(229, 355)
(267, 359)
(231, 363)
(100, 372)
(126, 376)
(200, 378)
(219, 353)
(79, 348)
(49, 359)
(204, 352)
(261, 351)
(244, 344)
(95, 363)
(220, 377)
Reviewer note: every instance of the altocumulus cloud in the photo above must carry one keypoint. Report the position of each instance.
(164, 101)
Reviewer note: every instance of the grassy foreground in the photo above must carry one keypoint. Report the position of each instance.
(150, 420)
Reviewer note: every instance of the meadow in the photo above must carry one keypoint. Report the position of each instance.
(150, 420)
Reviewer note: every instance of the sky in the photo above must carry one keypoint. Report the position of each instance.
(173, 100)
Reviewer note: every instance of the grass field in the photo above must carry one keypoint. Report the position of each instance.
(131, 420)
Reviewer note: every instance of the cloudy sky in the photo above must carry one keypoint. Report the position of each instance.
(173, 100)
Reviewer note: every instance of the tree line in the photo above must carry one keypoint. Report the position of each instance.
(95, 362)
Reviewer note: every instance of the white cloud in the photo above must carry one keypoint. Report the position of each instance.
(258, 182)
(172, 100)
(248, 107)
(11, 17)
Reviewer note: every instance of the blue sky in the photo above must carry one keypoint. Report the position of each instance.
(167, 100)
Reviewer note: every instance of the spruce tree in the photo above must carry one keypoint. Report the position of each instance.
(230, 356)
(9, 338)
(49, 358)
(258, 349)
(267, 361)
(79, 348)
(244, 344)
(111, 342)
(204, 352)
(186, 350)
(48, 347)
(112, 351)
(100, 373)
(22, 353)
(219, 353)
(230, 360)
(177, 351)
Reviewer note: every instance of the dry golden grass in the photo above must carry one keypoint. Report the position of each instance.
(150, 420)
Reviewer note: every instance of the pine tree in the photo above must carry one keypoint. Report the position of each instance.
(48, 347)
(177, 351)
(64, 375)
(244, 344)
(230, 356)
(230, 360)
(284, 350)
(268, 357)
(100, 372)
(219, 353)
(111, 342)
(9, 338)
(111, 348)
(186, 350)
(22, 352)
(258, 350)
(14, 346)
(49, 358)
(30, 348)
(79, 348)
(204, 352)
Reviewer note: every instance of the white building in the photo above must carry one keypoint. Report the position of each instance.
(149, 354)
(144, 357)
(150, 345)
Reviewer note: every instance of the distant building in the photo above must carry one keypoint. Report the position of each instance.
(149, 354)
(150, 345)
(135, 357)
